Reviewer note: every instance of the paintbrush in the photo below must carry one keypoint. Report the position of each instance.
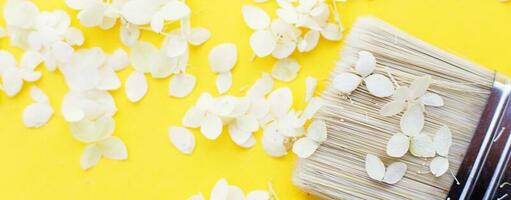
(476, 102)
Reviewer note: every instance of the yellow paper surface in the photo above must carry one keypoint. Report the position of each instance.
(44, 163)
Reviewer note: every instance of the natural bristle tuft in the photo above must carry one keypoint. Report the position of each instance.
(355, 127)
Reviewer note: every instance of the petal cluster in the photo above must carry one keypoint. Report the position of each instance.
(224, 191)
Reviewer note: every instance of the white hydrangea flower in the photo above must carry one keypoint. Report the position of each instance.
(225, 191)
(14, 75)
(415, 94)
(377, 84)
(38, 113)
(376, 170)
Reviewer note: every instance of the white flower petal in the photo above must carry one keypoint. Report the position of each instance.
(395, 172)
(332, 32)
(108, 22)
(258, 195)
(157, 22)
(256, 18)
(211, 127)
(374, 167)
(143, 56)
(305, 147)
(412, 120)
(401, 93)
(220, 190)
(223, 82)
(379, 85)
(113, 148)
(109, 80)
(118, 61)
(261, 87)
(438, 166)
(79, 4)
(11, 82)
(280, 101)
(317, 131)
(273, 142)
(174, 10)
(309, 42)
(235, 193)
(194, 117)
(90, 156)
(198, 36)
(392, 108)
(314, 105)
(181, 85)
(20, 14)
(92, 131)
(419, 86)
(288, 15)
(346, 82)
(249, 143)
(37, 115)
(38, 95)
(223, 57)
(136, 86)
(283, 49)
(7, 60)
(182, 139)
(197, 197)
(73, 36)
(285, 70)
(310, 86)
(175, 45)
(263, 43)
(139, 12)
(442, 141)
(129, 35)
(92, 15)
(30, 60)
(398, 145)
(237, 135)
(431, 99)
(422, 146)
(366, 63)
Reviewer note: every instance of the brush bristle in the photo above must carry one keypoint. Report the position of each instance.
(355, 127)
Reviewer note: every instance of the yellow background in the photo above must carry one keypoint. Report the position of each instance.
(44, 163)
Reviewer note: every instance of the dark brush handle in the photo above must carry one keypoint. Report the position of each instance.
(486, 164)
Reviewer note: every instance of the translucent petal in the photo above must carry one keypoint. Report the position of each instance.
(143, 56)
(175, 45)
(398, 145)
(37, 115)
(379, 85)
(438, 166)
(198, 36)
(263, 43)
(309, 42)
(29, 76)
(136, 86)
(283, 49)
(38, 95)
(273, 142)
(20, 14)
(31, 60)
(422, 146)
(182, 139)
(366, 63)
(83, 78)
(317, 131)
(261, 87)
(285, 70)
(92, 15)
(401, 93)
(412, 120)
(109, 80)
(310, 110)
(256, 18)
(92, 131)
(90, 156)
(419, 86)
(308, 22)
(289, 15)
(108, 22)
(181, 85)
(11, 82)
(431, 99)
(374, 167)
(310, 87)
(223, 82)
(258, 195)
(346, 82)
(73, 36)
(174, 10)
(157, 22)
(129, 35)
(235, 193)
(249, 143)
(280, 101)
(332, 32)
(443, 141)
(220, 190)
(118, 61)
(139, 12)
(194, 117)
(211, 127)
(113, 148)
(62, 51)
(395, 172)
(223, 57)
(392, 108)
(237, 135)
(259, 107)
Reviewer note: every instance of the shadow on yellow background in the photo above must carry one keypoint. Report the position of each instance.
(44, 163)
